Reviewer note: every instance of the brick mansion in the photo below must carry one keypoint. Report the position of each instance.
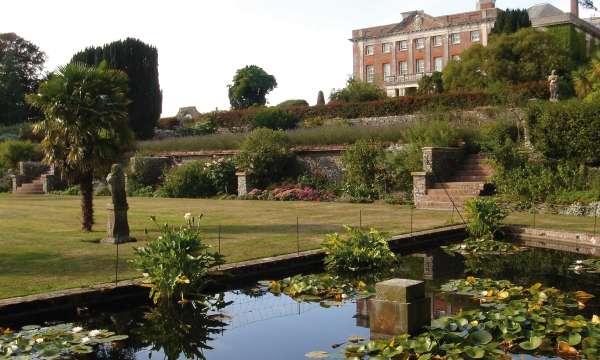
(396, 56)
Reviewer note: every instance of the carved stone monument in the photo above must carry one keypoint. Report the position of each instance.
(118, 226)
(553, 85)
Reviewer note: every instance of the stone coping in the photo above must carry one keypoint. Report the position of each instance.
(570, 241)
(297, 149)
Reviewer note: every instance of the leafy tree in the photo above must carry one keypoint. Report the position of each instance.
(21, 65)
(85, 125)
(588, 4)
(140, 62)
(293, 102)
(250, 87)
(275, 118)
(431, 84)
(511, 20)
(266, 154)
(586, 79)
(527, 55)
(358, 91)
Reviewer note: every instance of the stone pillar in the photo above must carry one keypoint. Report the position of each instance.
(117, 229)
(244, 183)
(420, 185)
(399, 307)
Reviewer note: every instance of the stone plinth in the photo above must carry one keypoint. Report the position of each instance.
(400, 290)
(244, 183)
(399, 307)
(117, 227)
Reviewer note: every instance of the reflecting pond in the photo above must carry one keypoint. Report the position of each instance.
(254, 324)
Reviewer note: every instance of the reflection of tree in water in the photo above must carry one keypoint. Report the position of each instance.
(182, 329)
(534, 265)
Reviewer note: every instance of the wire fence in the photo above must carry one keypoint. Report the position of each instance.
(575, 217)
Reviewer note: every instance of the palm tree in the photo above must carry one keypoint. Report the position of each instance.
(85, 126)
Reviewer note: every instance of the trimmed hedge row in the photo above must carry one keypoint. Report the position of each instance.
(243, 119)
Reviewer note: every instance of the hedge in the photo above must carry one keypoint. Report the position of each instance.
(568, 130)
(243, 119)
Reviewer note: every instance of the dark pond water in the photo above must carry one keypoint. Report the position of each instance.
(258, 325)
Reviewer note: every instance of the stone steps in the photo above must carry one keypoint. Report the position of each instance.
(35, 187)
(467, 183)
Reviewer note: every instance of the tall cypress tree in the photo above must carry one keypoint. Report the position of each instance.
(140, 62)
(510, 21)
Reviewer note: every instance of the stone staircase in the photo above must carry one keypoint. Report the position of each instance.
(35, 187)
(467, 182)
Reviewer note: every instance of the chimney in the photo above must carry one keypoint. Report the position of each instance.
(486, 4)
(575, 7)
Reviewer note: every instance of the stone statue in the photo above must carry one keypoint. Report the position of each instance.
(116, 183)
(553, 84)
(118, 225)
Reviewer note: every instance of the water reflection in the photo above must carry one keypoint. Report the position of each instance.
(253, 324)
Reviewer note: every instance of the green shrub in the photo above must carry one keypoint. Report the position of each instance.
(357, 91)
(221, 173)
(361, 163)
(400, 164)
(484, 217)
(14, 151)
(189, 180)
(266, 154)
(357, 252)
(275, 118)
(290, 103)
(568, 130)
(177, 263)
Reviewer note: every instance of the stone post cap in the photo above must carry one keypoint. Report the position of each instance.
(400, 290)
(241, 173)
(419, 173)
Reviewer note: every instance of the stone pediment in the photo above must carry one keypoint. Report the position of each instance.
(417, 21)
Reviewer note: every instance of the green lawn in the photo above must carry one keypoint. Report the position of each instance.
(42, 249)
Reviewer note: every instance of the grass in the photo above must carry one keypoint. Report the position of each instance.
(325, 135)
(42, 249)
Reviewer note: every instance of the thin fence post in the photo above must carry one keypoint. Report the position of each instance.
(298, 233)
(595, 220)
(117, 267)
(360, 219)
(411, 221)
(219, 242)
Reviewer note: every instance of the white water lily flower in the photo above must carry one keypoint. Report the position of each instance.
(579, 262)
(187, 216)
(94, 333)
(77, 329)
(85, 340)
(39, 340)
(578, 269)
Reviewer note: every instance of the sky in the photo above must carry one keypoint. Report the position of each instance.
(201, 43)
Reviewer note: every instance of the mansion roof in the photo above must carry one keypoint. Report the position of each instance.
(418, 21)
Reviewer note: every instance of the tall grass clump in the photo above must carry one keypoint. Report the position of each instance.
(191, 143)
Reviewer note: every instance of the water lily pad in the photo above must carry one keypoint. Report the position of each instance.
(475, 352)
(317, 355)
(355, 339)
(574, 339)
(30, 327)
(533, 343)
(481, 337)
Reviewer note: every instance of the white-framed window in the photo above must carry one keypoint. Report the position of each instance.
(387, 48)
(456, 57)
(420, 43)
(455, 38)
(370, 50)
(437, 40)
(403, 45)
(370, 73)
(403, 68)
(387, 70)
(420, 66)
(438, 64)
(475, 36)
